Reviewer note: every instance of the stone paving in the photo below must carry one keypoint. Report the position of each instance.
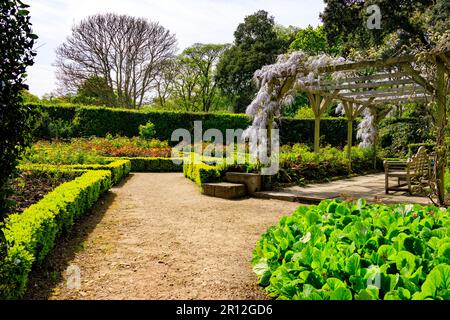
(370, 187)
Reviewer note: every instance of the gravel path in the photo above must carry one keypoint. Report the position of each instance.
(156, 237)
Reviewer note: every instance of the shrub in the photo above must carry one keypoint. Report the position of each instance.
(339, 251)
(397, 133)
(31, 235)
(201, 173)
(299, 165)
(147, 131)
(16, 52)
(60, 129)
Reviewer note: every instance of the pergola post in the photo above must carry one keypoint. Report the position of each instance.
(319, 105)
(441, 126)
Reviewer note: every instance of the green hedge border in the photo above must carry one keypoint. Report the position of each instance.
(199, 172)
(98, 121)
(32, 234)
(150, 164)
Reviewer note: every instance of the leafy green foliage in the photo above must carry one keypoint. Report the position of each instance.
(396, 134)
(310, 40)
(341, 251)
(96, 91)
(194, 83)
(32, 234)
(147, 131)
(201, 173)
(255, 44)
(406, 25)
(16, 52)
(300, 165)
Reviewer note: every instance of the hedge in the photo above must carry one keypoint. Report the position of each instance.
(32, 234)
(119, 168)
(149, 164)
(98, 121)
(201, 173)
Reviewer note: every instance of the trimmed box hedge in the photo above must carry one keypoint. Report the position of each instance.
(32, 234)
(119, 168)
(98, 121)
(201, 173)
(149, 164)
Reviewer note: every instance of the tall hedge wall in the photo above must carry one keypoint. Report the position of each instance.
(98, 121)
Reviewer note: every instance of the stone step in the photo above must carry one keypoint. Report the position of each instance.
(287, 196)
(225, 190)
(251, 180)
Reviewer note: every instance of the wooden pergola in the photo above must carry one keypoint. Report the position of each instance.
(377, 84)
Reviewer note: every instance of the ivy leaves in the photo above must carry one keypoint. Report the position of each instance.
(16, 50)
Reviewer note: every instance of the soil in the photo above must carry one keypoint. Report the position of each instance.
(30, 187)
(156, 237)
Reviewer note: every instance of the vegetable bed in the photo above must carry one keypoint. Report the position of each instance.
(344, 251)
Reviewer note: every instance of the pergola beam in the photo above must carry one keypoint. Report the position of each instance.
(377, 76)
(407, 67)
(367, 64)
(385, 92)
(366, 85)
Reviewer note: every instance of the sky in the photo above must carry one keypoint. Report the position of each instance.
(192, 21)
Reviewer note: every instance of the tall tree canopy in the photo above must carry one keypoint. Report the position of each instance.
(406, 25)
(127, 52)
(16, 52)
(189, 81)
(256, 44)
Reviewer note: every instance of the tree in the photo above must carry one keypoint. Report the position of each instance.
(185, 84)
(286, 34)
(164, 82)
(256, 44)
(310, 40)
(204, 58)
(190, 80)
(16, 50)
(406, 25)
(95, 91)
(27, 97)
(128, 52)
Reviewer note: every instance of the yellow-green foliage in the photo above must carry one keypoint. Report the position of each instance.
(118, 168)
(200, 172)
(32, 234)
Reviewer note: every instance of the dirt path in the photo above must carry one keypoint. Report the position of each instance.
(156, 237)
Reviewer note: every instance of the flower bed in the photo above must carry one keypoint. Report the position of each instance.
(344, 251)
(31, 186)
(30, 236)
(94, 150)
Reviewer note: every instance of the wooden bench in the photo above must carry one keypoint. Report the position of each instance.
(413, 171)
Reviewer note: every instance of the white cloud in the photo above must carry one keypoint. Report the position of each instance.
(204, 21)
